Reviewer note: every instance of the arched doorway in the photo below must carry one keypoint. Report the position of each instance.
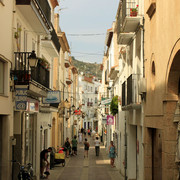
(171, 104)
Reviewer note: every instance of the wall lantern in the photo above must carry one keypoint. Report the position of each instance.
(33, 60)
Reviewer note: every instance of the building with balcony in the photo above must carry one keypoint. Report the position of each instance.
(6, 87)
(126, 76)
(33, 30)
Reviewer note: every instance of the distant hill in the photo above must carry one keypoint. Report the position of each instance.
(87, 68)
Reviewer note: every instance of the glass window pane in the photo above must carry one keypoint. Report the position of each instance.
(1, 77)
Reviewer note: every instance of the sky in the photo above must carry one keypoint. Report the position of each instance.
(85, 23)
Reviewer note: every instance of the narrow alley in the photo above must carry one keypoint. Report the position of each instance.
(91, 168)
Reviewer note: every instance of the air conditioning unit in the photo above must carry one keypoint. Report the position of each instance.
(142, 86)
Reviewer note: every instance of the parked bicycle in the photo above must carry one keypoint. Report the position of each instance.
(25, 171)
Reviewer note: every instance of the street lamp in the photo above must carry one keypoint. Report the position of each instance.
(33, 60)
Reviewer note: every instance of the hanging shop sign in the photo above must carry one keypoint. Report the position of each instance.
(21, 98)
(77, 112)
(32, 105)
(110, 120)
(52, 97)
(105, 101)
(104, 120)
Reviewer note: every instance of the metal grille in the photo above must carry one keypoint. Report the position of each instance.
(124, 94)
(55, 39)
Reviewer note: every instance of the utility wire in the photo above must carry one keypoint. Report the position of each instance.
(97, 34)
(88, 53)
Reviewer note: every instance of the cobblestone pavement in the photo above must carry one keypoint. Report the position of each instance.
(91, 168)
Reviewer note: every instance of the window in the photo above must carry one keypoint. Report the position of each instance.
(1, 77)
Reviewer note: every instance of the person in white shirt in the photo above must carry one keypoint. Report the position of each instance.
(97, 146)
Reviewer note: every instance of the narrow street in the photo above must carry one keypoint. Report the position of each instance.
(91, 168)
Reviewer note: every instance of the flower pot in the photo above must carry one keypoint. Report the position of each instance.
(133, 13)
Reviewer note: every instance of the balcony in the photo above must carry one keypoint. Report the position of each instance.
(130, 21)
(127, 23)
(37, 13)
(114, 71)
(66, 60)
(96, 92)
(133, 100)
(89, 104)
(51, 43)
(69, 81)
(125, 38)
(37, 78)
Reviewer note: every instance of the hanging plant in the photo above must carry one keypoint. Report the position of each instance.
(17, 33)
(44, 63)
(114, 105)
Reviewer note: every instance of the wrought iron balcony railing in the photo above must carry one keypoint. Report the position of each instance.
(23, 74)
(55, 39)
(126, 8)
(124, 94)
(89, 103)
(130, 93)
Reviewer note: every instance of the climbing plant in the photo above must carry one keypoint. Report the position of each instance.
(114, 105)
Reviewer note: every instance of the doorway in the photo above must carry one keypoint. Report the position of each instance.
(156, 154)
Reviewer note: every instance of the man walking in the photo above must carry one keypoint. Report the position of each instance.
(97, 145)
(74, 145)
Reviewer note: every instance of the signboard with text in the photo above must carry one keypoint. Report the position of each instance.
(105, 101)
(21, 98)
(52, 97)
(110, 120)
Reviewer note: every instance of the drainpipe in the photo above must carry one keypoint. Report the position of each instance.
(143, 49)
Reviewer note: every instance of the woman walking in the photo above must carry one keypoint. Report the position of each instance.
(112, 153)
(80, 136)
(86, 148)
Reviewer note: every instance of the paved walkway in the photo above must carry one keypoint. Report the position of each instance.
(91, 168)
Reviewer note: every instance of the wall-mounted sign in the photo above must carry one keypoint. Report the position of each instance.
(52, 97)
(110, 120)
(21, 98)
(106, 101)
(32, 105)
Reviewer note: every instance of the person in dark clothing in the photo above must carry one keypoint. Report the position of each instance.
(74, 145)
(44, 162)
(82, 130)
(67, 146)
(86, 147)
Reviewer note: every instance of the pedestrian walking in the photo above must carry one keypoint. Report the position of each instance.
(93, 134)
(84, 132)
(67, 147)
(86, 147)
(74, 145)
(112, 153)
(89, 132)
(80, 136)
(97, 146)
(44, 164)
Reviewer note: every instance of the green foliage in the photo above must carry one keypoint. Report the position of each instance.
(114, 105)
(87, 68)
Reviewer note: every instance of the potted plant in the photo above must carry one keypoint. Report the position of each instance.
(134, 11)
(114, 105)
(44, 63)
